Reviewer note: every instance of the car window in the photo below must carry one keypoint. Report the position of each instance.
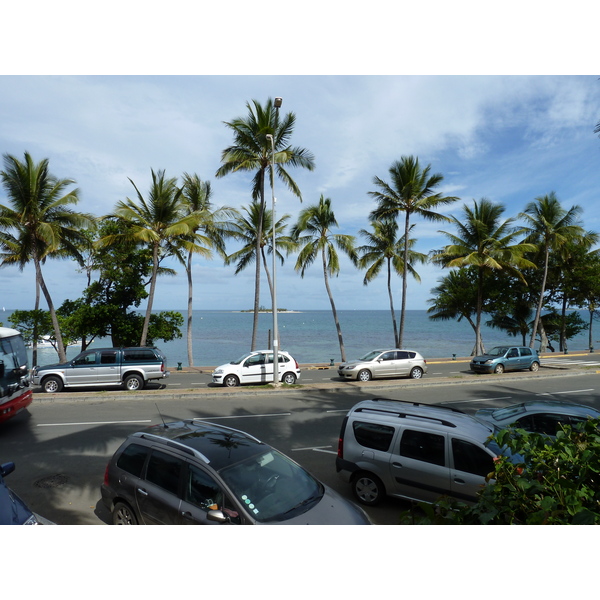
(403, 355)
(164, 471)
(202, 490)
(388, 356)
(139, 355)
(526, 352)
(512, 353)
(421, 445)
(108, 357)
(543, 423)
(372, 435)
(132, 459)
(471, 458)
(256, 359)
(89, 358)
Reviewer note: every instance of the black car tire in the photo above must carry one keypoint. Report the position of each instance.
(123, 515)
(499, 369)
(535, 366)
(364, 375)
(52, 385)
(231, 381)
(289, 378)
(368, 489)
(416, 373)
(133, 383)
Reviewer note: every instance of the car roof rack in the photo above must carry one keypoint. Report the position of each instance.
(173, 443)
(451, 408)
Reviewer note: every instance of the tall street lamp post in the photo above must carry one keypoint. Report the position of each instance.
(277, 104)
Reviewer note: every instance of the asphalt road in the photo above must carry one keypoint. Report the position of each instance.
(62, 443)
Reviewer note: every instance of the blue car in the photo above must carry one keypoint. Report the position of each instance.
(13, 511)
(506, 358)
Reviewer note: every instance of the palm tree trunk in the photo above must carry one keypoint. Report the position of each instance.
(257, 271)
(538, 311)
(335, 317)
(389, 284)
(150, 295)
(36, 334)
(189, 312)
(404, 282)
(60, 347)
(478, 342)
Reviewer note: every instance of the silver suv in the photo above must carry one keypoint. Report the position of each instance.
(414, 451)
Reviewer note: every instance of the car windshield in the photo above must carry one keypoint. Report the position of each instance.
(272, 487)
(508, 412)
(497, 351)
(371, 355)
(241, 358)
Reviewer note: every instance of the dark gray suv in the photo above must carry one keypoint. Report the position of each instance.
(195, 472)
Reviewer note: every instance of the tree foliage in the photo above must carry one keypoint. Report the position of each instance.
(551, 481)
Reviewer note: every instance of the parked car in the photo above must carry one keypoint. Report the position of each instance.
(101, 367)
(539, 416)
(384, 363)
(195, 472)
(257, 367)
(414, 451)
(13, 511)
(506, 358)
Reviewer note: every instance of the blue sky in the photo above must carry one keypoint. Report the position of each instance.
(506, 136)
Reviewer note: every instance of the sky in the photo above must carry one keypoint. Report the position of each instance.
(489, 128)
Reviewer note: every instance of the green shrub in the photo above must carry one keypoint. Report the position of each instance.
(553, 482)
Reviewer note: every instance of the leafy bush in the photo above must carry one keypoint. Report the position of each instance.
(554, 482)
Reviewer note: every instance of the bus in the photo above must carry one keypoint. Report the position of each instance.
(15, 388)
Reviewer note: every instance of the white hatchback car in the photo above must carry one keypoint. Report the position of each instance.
(257, 367)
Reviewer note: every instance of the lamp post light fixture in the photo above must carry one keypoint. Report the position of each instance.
(277, 104)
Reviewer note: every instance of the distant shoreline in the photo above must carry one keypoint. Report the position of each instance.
(279, 312)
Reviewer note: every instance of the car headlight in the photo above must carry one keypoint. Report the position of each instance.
(217, 371)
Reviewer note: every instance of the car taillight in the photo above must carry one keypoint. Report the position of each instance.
(340, 451)
(162, 367)
(106, 476)
(297, 365)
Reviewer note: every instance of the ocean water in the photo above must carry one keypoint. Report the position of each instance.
(311, 337)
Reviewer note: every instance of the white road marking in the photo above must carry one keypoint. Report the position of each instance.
(92, 423)
(566, 392)
(241, 416)
(476, 400)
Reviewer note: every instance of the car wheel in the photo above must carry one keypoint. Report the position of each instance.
(368, 489)
(289, 378)
(52, 385)
(364, 375)
(123, 515)
(416, 373)
(133, 383)
(535, 366)
(231, 381)
(499, 369)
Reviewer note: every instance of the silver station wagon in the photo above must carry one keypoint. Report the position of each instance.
(385, 363)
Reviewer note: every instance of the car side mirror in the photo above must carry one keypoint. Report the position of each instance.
(217, 515)
(7, 469)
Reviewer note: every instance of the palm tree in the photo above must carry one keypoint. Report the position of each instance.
(40, 222)
(160, 221)
(412, 191)
(549, 226)
(207, 234)
(487, 243)
(318, 220)
(251, 151)
(383, 248)
(245, 230)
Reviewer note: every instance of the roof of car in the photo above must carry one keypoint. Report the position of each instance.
(554, 405)
(218, 445)
(437, 417)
